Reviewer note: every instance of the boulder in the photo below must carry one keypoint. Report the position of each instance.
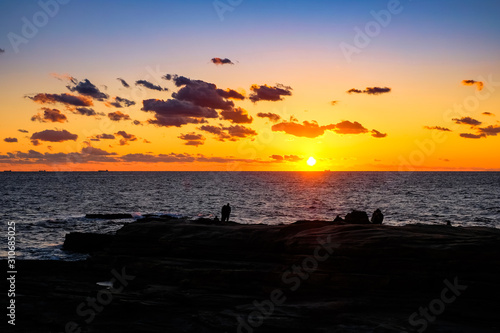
(357, 217)
(377, 217)
(86, 242)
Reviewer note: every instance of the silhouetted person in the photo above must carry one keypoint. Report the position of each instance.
(448, 223)
(377, 217)
(225, 212)
(216, 219)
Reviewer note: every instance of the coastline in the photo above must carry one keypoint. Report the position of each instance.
(184, 276)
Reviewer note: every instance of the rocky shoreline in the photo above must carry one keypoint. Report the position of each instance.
(172, 275)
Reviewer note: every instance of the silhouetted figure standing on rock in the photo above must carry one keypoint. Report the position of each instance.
(225, 212)
(377, 217)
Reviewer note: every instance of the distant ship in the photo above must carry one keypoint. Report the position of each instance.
(42, 170)
(102, 171)
(7, 171)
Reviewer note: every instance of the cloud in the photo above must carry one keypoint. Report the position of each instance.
(10, 140)
(479, 85)
(312, 129)
(137, 123)
(230, 93)
(85, 111)
(64, 77)
(126, 137)
(273, 117)
(231, 133)
(105, 136)
(490, 130)
(439, 128)
(118, 116)
(377, 134)
(267, 93)
(347, 127)
(123, 82)
(219, 61)
(86, 88)
(23, 131)
(193, 139)
(64, 98)
(50, 115)
(370, 91)
(237, 116)
(334, 103)
(306, 129)
(2, 51)
(467, 121)
(289, 158)
(96, 151)
(488, 114)
(149, 85)
(177, 113)
(54, 136)
(161, 158)
(119, 102)
(36, 142)
(472, 136)
(202, 93)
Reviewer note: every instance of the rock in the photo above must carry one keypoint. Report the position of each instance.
(338, 220)
(86, 242)
(357, 217)
(377, 217)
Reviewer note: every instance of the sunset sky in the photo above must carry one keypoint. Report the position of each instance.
(236, 85)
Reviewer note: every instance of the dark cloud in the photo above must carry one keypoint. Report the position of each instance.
(167, 77)
(10, 140)
(177, 113)
(479, 85)
(377, 134)
(161, 158)
(237, 116)
(54, 136)
(2, 50)
(472, 136)
(231, 133)
(137, 123)
(490, 130)
(201, 93)
(370, 91)
(118, 116)
(96, 151)
(439, 128)
(36, 142)
(86, 88)
(105, 136)
(219, 61)
(467, 121)
(273, 117)
(50, 116)
(119, 102)
(85, 111)
(23, 131)
(123, 82)
(289, 158)
(64, 77)
(334, 103)
(488, 114)
(192, 139)
(149, 85)
(126, 137)
(267, 93)
(230, 93)
(306, 129)
(64, 98)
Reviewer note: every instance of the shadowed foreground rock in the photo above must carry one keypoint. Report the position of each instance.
(181, 276)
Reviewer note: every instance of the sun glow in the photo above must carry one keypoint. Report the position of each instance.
(311, 161)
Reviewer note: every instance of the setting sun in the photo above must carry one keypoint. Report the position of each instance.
(311, 161)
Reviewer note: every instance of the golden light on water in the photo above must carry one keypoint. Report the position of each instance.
(311, 161)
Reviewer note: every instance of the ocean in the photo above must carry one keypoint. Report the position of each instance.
(47, 205)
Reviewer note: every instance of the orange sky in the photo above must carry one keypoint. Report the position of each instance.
(236, 95)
